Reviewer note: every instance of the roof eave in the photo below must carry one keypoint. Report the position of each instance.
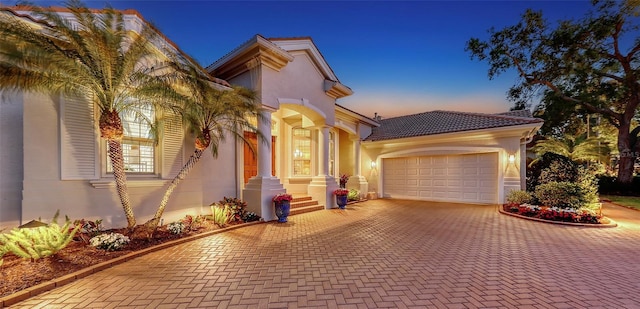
(336, 90)
(238, 61)
(357, 116)
(518, 130)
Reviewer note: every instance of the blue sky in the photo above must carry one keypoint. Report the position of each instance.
(398, 57)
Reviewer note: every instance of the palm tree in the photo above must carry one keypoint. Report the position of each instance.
(209, 113)
(576, 148)
(93, 55)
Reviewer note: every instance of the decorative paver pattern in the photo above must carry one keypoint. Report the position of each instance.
(381, 253)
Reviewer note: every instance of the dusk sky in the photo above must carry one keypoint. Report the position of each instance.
(398, 57)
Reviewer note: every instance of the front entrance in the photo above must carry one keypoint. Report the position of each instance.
(250, 158)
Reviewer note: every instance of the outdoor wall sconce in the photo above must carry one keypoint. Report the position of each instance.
(373, 164)
(512, 159)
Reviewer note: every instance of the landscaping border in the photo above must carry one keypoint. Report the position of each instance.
(589, 225)
(22, 295)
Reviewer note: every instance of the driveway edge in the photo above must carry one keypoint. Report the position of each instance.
(68, 278)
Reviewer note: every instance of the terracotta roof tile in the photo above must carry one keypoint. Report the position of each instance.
(438, 122)
(519, 113)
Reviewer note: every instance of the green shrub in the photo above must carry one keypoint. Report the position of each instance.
(354, 195)
(236, 208)
(558, 171)
(39, 242)
(589, 185)
(519, 197)
(221, 215)
(560, 194)
(561, 164)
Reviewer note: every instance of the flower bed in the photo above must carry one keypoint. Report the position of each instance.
(583, 216)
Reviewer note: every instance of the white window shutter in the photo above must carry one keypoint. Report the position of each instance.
(78, 138)
(172, 147)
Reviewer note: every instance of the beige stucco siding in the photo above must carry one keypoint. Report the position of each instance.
(11, 123)
(45, 192)
(300, 79)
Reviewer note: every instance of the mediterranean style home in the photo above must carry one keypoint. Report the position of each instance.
(51, 157)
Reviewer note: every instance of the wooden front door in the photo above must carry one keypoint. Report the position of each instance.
(250, 158)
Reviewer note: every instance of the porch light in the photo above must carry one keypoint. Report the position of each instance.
(512, 159)
(373, 164)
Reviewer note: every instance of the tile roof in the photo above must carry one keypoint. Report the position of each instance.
(438, 122)
(519, 113)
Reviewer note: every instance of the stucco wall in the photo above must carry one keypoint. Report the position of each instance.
(44, 192)
(347, 161)
(219, 175)
(10, 159)
(300, 79)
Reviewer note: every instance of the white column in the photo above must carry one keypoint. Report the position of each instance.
(357, 170)
(357, 180)
(261, 188)
(264, 146)
(323, 151)
(322, 186)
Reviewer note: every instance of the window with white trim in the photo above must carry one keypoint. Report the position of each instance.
(138, 147)
(301, 142)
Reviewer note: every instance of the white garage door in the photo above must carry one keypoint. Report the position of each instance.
(469, 178)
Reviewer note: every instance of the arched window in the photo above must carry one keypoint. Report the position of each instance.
(301, 142)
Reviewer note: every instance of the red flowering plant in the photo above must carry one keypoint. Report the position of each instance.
(341, 192)
(282, 197)
(343, 180)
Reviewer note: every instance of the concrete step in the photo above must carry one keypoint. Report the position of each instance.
(302, 203)
(305, 209)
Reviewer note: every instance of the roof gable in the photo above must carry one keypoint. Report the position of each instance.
(439, 122)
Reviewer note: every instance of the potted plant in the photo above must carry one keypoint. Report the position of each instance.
(282, 203)
(341, 197)
(343, 180)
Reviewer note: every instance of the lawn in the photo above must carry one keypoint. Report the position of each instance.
(629, 201)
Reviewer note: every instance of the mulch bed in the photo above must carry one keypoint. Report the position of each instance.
(18, 274)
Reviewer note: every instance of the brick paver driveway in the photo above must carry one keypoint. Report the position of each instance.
(382, 253)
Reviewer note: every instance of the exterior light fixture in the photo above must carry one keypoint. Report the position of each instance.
(373, 164)
(512, 159)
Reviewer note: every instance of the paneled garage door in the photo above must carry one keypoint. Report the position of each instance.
(469, 178)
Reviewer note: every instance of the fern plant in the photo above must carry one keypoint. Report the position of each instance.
(36, 243)
(221, 214)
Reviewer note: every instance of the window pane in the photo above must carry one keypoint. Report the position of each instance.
(137, 145)
(301, 152)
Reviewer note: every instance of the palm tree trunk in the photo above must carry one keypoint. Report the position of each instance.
(117, 164)
(195, 157)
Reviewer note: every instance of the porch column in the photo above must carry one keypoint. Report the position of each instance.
(322, 186)
(323, 151)
(357, 181)
(264, 147)
(356, 153)
(261, 188)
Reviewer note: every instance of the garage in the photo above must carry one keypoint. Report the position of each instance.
(467, 178)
